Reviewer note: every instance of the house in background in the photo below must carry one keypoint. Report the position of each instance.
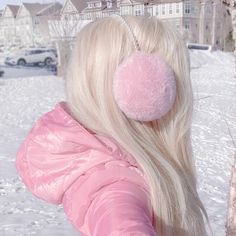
(199, 21)
(27, 24)
(32, 22)
(8, 23)
(99, 8)
(89, 9)
(72, 9)
(1, 29)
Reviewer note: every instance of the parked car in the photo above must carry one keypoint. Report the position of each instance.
(206, 47)
(1, 73)
(32, 56)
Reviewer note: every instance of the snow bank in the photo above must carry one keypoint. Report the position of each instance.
(22, 101)
(214, 130)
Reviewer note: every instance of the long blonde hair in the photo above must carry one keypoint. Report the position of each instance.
(162, 148)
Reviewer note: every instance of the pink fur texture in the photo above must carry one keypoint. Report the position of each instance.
(144, 86)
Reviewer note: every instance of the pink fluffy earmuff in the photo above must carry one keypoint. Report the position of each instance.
(144, 84)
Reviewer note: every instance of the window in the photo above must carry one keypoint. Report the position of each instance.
(125, 10)
(163, 9)
(137, 12)
(36, 21)
(157, 12)
(187, 7)
(193, 9)
(187, 25)
(170, 8)
(97, 4)
(177, 8)
(177, 25)
(109, 4)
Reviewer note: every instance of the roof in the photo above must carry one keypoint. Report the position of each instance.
(154, 1)
(52, 9)
(14, 9)
(80, 5)
(166, 1)
(94, 9)
(34, 8)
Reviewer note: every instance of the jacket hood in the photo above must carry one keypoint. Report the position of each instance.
(59, 150)
(62, 162)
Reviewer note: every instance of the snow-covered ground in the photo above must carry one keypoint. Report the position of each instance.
(23, 100)
(214, 130)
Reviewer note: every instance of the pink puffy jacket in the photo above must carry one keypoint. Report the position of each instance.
(101, 187)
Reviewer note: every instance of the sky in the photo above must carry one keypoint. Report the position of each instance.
(4, 2)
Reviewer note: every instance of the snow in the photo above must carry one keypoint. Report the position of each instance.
(214, 130)
(23, 100)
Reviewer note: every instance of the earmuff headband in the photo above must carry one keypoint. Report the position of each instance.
(144, 84)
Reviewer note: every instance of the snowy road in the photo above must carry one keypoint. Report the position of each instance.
(21, 71)
(22, 101)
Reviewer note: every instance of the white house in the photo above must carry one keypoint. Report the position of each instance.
(89, 9)
(72, 9)
(199, 21)
(32, 22)
(8, 21)
(99, 8)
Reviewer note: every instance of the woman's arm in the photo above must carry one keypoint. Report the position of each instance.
(119, 208)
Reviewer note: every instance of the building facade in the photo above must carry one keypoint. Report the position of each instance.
(8, 25)
(205, 22)
(199, 21)
(32, 22)
(27, 24)
(89, 9)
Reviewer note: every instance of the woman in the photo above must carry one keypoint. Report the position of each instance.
(118, 154)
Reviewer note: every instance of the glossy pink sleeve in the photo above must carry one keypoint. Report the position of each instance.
(118, 208)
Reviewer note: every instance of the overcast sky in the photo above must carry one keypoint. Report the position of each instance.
(4, 2)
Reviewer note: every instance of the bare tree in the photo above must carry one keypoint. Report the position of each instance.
(63, 32)
(231, 217)
(231, 220)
